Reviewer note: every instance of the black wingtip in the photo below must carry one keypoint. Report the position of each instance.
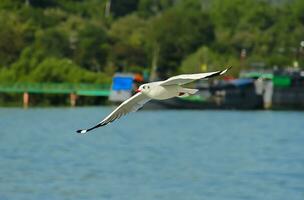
(81, 131)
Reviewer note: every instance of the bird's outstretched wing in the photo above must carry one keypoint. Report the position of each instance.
(187, 78)
(130, 105)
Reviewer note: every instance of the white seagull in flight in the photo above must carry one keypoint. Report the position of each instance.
(159, 90)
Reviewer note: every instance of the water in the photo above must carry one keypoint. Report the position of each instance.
(163, 155)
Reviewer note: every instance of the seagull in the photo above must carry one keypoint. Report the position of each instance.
(159, 90)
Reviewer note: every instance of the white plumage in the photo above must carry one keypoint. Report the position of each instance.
(159, 90)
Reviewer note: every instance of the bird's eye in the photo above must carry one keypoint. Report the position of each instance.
(144, 87)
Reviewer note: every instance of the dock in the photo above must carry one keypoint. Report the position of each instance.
(72, 89)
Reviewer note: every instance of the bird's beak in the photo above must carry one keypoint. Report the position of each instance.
(138, 90)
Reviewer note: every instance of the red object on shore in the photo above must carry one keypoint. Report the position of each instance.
(138, 78)
(228, 78)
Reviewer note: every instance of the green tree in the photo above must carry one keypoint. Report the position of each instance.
(121, 8)
(11, 38)
(129, 36)
(179, 32)
(298, 10)
(64, 70)
(41, 3)
(91, 48)
(53, 42)
(149, 8)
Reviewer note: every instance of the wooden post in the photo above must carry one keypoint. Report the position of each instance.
(268, 93)
(73, 99)
(26, 99)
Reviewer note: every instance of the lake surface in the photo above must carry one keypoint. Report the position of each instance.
(149, 155)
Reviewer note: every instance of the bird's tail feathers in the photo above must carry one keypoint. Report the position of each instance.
(188, 91)
(184, 92)
(183, 95)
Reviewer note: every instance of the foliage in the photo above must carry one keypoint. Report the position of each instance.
(148, 8)
(122, 8)
(179, 32)
(75, 41)
(129, 41)
(64, 70)
(12, 37)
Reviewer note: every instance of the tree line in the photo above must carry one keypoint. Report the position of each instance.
(88, 40)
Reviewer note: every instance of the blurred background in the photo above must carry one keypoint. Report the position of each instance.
(82, 44)
(65, 64)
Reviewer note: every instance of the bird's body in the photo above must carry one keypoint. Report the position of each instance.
(159, 90)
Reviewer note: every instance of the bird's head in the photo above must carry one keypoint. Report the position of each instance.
(144, 88)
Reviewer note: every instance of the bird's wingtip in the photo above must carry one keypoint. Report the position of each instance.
(224, 71)
(81, 131)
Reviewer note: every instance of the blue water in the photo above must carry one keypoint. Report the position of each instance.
(148, 155)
